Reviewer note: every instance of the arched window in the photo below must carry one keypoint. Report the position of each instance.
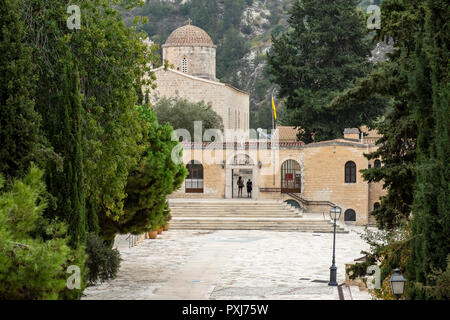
(376, 205)
(293, 203)
(184, 65)
(194, 181)
(290, 177)
(377, 164)
(349, 215)
(350, 172)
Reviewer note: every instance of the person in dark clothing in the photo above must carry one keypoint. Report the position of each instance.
(249, 188)
(240, 184)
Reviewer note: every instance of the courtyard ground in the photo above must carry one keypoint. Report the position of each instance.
(232, 264)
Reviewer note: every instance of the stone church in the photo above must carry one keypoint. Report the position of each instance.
(193, 54)
(313, 176)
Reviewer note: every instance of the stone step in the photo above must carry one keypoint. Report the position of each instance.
(243, 215)
(252, 227)
(243, 212)
(253, 223)
(228, 208)
(216, 205)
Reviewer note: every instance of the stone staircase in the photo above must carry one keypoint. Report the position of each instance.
(244, 215)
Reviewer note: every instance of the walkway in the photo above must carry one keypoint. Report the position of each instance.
(232, 264)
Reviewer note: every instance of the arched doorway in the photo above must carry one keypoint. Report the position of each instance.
(350, 215)
(242, 165)
(194, 181)
(290, 177)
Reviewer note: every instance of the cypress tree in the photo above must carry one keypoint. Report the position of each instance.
(323, 53)
(19, 122)
(65, 135)
(431, 216)
(397, 147)
(415, 148)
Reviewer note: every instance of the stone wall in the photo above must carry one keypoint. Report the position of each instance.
(201, 61)
(322, 176)
(228, 102)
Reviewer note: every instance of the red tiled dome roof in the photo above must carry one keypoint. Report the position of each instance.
(189, 36)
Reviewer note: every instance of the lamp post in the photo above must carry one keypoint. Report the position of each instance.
(335, 214)
(397, 283)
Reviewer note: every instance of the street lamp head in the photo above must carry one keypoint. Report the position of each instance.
(335, 213)
(397, 283)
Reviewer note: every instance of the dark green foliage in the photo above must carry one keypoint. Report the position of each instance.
(19, 122)
(221, 20)
(103, 262)
(414, 149)
(323, 53)
(155, 177)
(397, 147)
(441, 289)
(64, 133)
(431, 208)
(88, 84)
(34, 250)
(181, 114)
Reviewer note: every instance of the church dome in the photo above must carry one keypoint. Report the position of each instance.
(189, 36)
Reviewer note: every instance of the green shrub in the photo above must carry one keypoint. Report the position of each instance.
(34, 252)
(103, 261)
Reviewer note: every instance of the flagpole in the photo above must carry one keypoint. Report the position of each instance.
(273, 122)
(273, 119)
(271, 143)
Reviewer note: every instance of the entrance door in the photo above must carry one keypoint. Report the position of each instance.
(245, 174)
(290, 177)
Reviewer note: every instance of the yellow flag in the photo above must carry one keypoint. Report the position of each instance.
(274, 109)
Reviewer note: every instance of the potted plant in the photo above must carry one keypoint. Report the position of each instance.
(153, 233)
(166, 222)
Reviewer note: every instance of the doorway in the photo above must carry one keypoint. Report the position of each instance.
(245, 174)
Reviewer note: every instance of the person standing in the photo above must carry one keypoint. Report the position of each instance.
(249, 188)
(240, 184)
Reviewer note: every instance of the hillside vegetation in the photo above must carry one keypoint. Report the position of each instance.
(242, 31)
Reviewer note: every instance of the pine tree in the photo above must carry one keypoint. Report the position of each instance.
(155, 177)
(414, 149)
(397, 147)
(34, 252)
(324, 53)
(19, 122)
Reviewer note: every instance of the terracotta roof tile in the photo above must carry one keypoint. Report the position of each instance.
(287, 133)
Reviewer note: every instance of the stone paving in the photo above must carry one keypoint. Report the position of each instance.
(232, 264)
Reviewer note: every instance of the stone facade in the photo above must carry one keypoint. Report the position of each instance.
(192, 54)
(322, 174)
(196, 61)
(228, 102)
(313, 175)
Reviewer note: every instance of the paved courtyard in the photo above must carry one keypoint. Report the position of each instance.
(232, 264)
